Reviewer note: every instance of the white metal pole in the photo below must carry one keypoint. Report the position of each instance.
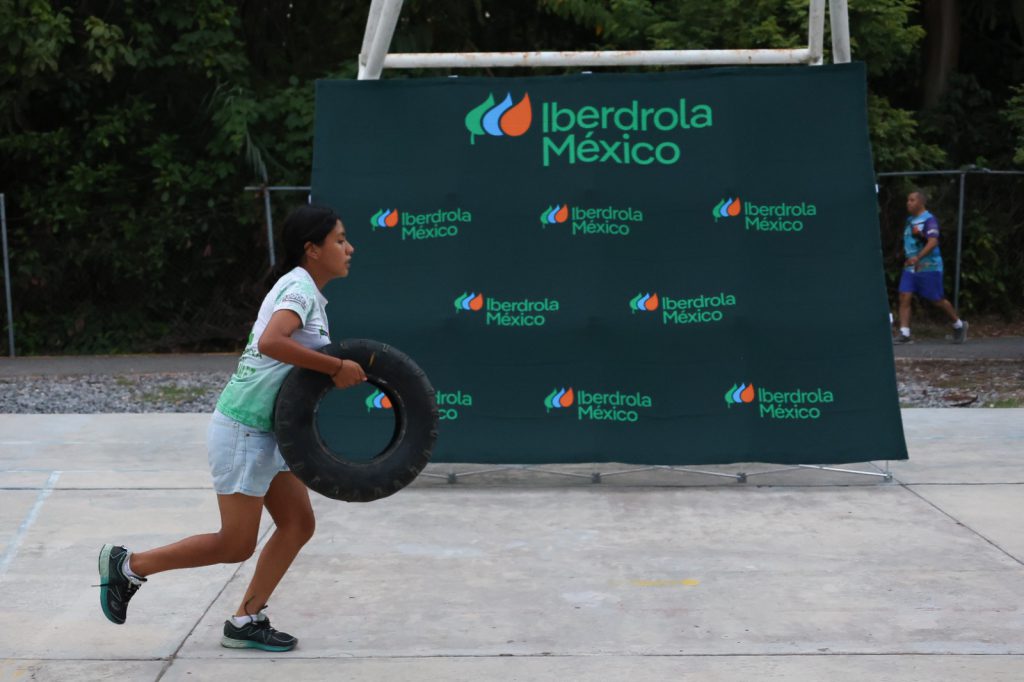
(7, 277)
(839, 18)
(270, 225)
(381, 41)
(471, 60)
(372, 20)
(816, 31)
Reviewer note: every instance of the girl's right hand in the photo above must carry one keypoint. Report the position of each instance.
(348, 374)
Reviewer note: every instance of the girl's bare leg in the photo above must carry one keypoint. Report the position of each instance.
(234, 542)
(287, 500)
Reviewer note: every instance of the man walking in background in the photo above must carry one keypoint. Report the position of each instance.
(922, 270)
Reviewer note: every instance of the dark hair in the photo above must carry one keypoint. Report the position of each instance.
(304, 224)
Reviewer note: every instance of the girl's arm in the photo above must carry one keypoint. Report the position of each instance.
(277, 342)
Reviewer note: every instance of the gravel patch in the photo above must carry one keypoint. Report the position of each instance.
(922, 383)
(960, 383)
(91, 393)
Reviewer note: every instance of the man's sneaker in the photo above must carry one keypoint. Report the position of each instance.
(960, 335)
(256, 635)
(902, 339)
(116, 588)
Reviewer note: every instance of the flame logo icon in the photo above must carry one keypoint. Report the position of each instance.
(377, 401)
(727, 208)
(553, 216)
(644, 302)
(386, 217)
(739, 394)
(472, 302)
(501, 119)
(560, 398)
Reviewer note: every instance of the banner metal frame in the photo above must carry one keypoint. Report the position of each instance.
(382, 19)
(375, 56)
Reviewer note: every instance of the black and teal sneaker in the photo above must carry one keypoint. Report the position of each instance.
(116, 588)
(256, 635)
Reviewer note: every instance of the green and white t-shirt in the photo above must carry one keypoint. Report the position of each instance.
(250, 394)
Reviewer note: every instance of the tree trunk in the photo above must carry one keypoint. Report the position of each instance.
(942, 47)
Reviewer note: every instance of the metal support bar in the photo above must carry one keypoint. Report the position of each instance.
(452, 476)
(739, 477)
(380, 39)
(270, 225)
(383, 17)
(569, 474)
(886, 472)
(265, 191)
(474, 60)
(598, 476)
(844, 471)
(7, 277)
(839, 16)
(897, 174)
(961, 171)
(816, 31)
(959, 244)
(884, 475)
(372, 20)
(774, 471)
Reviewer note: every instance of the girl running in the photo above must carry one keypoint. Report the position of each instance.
(247, 468)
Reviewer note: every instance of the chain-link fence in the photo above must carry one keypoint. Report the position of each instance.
(982, 221)
(981, 214)
(266, 193)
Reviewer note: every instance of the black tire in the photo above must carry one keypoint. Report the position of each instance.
(328, 473)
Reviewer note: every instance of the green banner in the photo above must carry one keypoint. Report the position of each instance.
(671, 268)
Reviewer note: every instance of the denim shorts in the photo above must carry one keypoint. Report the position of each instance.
(242, 459)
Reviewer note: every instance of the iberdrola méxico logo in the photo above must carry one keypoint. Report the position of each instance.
(616, 406)
(500, 120)
(559, 398)
(593, 220)
(422, 224)
(644, 303)
(499, 312)
(727, 208)
(472, 301)
(737, 395)
(693, 309)
(386, 217)
(629, 132)
(766, 217)
(556, 215)
(792, 404)
(377, 401)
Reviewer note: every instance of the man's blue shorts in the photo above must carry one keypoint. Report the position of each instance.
(927, 284)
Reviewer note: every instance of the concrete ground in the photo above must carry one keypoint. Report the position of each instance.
(524, 575)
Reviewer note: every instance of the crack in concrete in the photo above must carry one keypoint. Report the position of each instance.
(942, 511)
(174, 656)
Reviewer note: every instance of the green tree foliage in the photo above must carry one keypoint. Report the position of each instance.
(127, 130)
(1014, 114)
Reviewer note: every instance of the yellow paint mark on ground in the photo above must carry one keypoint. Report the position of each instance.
(686, 582)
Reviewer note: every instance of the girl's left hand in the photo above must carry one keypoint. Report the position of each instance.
(348, 374)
